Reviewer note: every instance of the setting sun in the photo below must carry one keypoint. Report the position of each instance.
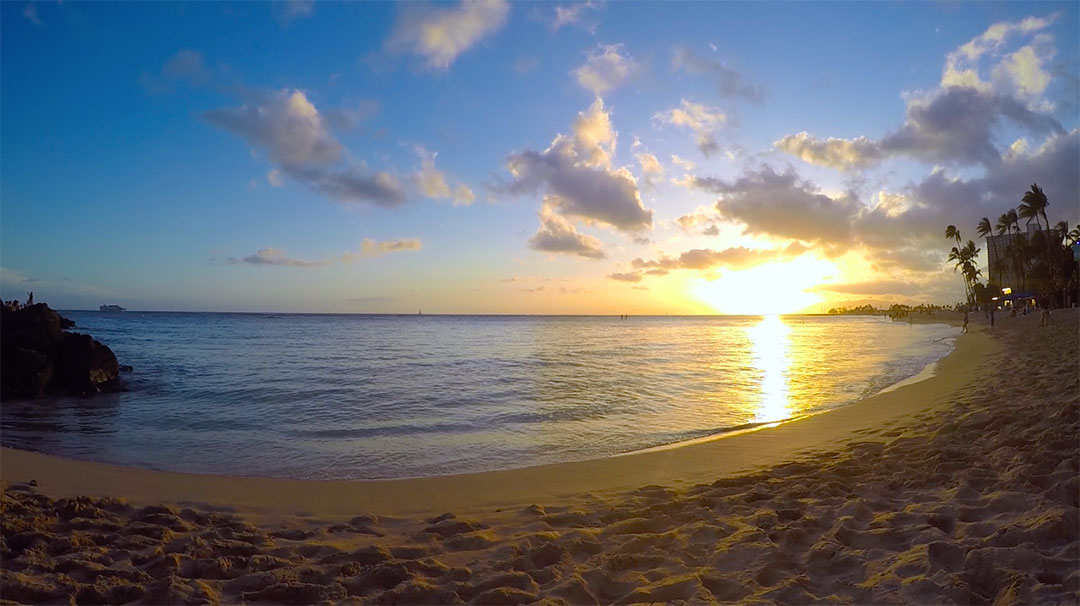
(767, 289)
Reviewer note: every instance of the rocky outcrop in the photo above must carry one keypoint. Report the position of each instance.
(37, 356)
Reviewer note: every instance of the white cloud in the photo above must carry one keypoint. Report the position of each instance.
(703, 120)
(432, 183)
(842, 154)
(594, 137)
(682, 162)
(650, 166)
(605, 68)
(557, 235)
(574, 14)
(440, 35)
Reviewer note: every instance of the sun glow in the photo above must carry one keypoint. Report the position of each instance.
(768, 289)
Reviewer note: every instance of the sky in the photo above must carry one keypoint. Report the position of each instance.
(493, 157)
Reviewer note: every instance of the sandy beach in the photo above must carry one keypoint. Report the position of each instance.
(963, 488)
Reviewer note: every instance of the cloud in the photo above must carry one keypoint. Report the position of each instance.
(525, 64)
(899, 230)
(626, 277)
(557, 235)
(605, 68)
(432, 183)
(952, 126)
(842, 154)
(370, 248)
(574, 14)
(701, 119)
(576, 174)
(274, 178)
(682, 162)
(962, 64)
(784, 206)
(875, 287)
(955, 124)
(294, 134)
(703, 218)
(737, 257)
(729, 83)
(292, 10)
(275, 257)
(440, 34)
(30, 12)
(352, 115)
(186, 65)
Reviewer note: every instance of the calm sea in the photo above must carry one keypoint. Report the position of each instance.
(370, 396)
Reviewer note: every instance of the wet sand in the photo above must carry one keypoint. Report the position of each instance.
(960, 489)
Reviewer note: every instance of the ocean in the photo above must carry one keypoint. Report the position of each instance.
(390, 396)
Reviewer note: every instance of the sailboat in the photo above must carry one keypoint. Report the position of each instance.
(419, 312)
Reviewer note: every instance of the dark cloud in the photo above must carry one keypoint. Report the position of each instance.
(902, 230)
(590, 192)
(704, 259)
(626, 277)
(953, 126)
(783, 205)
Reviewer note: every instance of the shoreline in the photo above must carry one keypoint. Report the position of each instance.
(697, 460)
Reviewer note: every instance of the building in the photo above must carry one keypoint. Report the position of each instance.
(1001, 269)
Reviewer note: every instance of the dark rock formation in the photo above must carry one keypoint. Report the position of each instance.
(37, 356)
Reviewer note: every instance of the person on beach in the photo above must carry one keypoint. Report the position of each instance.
(1047, 319)
(963, 330)
(991, 317)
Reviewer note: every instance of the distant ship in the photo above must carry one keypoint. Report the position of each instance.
(111, 308)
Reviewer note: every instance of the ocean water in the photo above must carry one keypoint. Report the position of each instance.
(383, 396)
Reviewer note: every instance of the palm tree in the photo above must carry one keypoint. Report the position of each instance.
(957, 254)
(952, 232)
(984, 229)
(1013, 219)
(1033, 205)
(1062, 229)
(1004, 224)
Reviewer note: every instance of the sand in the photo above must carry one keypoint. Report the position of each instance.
(960, 489)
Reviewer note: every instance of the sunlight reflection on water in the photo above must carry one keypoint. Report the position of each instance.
(771, 340)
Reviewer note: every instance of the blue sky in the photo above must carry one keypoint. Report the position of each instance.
(484, 157)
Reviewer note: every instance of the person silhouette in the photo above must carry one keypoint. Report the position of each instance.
(965, 328)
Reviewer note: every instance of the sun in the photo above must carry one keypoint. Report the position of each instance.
(777, 288)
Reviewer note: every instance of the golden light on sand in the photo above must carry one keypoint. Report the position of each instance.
(777, 288)
(771, 342)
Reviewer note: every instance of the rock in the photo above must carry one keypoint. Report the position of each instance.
(65, 323)
(26, 373)
(84, 366)
(36, 327)
(37, 356)
(126, 368)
